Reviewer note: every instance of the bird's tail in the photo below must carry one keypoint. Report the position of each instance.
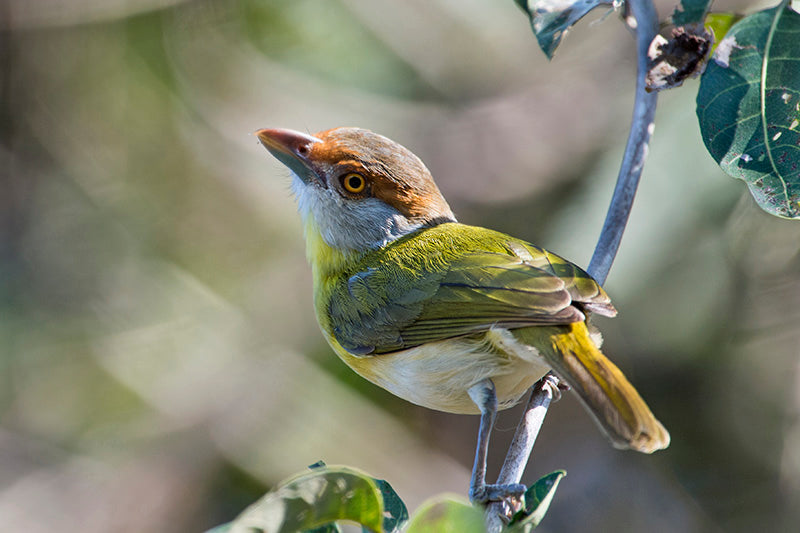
(602, 387)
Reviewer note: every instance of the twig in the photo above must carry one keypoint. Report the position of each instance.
(542, 394)
(643, 21)
(545, 391)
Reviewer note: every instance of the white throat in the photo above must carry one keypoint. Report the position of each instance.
(347, 224)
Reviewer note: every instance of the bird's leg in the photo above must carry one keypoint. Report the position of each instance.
(485, 397)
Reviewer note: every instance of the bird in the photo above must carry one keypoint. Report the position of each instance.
(452, 317)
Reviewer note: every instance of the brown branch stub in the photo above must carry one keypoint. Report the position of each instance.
(682, 56)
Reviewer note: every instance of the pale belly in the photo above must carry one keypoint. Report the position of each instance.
(437, 375)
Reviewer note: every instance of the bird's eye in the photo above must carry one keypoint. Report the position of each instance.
(354, 183)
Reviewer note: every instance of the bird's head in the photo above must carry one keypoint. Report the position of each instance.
(359, 189)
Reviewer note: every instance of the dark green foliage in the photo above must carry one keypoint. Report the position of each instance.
(537, 501)
(395, 514)
(551, 21)
(748, 104)
(749, 107)
(690, 12)
(313, 502)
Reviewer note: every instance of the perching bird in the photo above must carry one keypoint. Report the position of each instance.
(452, 317)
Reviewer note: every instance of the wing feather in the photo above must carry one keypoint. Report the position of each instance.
(449, 282)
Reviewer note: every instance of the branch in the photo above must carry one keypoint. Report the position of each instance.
(545, 391)
(642, 19)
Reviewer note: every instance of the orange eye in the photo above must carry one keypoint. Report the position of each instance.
(354, 183)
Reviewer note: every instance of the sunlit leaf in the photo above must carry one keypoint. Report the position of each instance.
(537, 501)
(447, 515)
(332, 527)
(748, 106)
(690, 12)
(314, 499)
(552, 19)
(719, 24)
(395, 513)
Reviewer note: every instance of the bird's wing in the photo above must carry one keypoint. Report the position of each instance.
(402, 302)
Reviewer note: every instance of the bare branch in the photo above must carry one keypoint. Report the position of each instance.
(542, 394)
(643, 21)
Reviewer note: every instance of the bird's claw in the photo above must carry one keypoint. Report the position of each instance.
(555, 385)
(486, 493)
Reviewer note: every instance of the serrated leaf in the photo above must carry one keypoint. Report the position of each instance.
(552, 19)
(445, 514)
(537, 501)
(690, 12)
(315, 499)
(748, 106)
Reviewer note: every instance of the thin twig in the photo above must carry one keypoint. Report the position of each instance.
(542, 394)
(545, 391)
(643, 21)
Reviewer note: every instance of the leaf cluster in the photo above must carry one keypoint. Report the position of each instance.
(748, 104)
(317, 500)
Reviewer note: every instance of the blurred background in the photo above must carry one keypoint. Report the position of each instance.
(160, 364)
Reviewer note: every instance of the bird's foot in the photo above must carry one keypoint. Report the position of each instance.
(486, 493)
(555, 384)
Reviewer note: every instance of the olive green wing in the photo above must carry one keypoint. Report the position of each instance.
(494, 289)
(392, 307)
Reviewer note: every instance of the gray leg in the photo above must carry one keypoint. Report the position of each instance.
(484, 396)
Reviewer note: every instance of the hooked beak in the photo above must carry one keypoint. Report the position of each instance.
(293, 149)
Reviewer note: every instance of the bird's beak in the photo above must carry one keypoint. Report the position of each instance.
(293, 149)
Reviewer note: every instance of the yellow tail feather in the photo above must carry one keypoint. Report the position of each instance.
(602, 387)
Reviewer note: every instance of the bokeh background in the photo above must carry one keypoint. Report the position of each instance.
(160, 365)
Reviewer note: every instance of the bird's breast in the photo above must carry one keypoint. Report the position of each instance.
(437, 375)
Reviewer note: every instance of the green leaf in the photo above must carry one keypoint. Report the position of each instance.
(447, 515)
(690, 12)
(315, 499)
(395, 513)
(719, 24)
(748, 106)
(333, 527)
(552, 20)
(537, 501)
